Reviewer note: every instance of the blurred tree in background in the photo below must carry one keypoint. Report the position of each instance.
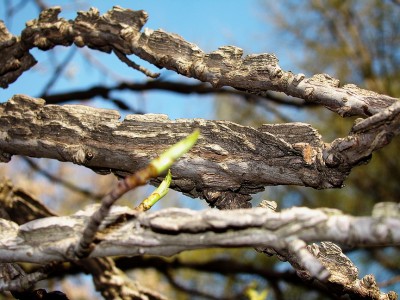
(357, 42)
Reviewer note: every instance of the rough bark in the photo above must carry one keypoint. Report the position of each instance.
(231, 161)
(119, 30)
(173, 230)
(228, 163)
(15, 58)
(127, 232)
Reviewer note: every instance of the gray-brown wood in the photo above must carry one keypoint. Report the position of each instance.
(231, 161)
(15, 58)
(170, 231)
(120, 29)
(21, 207)
(228, 164)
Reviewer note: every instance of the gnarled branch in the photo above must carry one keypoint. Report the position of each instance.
(170, 231)
(229, 162)
(119, 29)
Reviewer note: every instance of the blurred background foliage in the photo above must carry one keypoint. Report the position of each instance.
(356, 41)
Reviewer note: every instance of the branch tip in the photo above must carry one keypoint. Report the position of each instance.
(166, 159)
(155, 196)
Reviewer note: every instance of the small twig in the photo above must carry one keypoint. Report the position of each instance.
(12, 10)
(135, 66)
(191, 291)
(389, 282)
(176, 87)
(58, 71)
(160, 192)
(98, 65)
(40, 4)
(154, 168)
(61, 181)
(24, 282)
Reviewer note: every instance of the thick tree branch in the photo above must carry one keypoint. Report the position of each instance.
(16, 59)
(229, 162)
(227, 166)
(173, 230)
(367, 135)
(166, 232)
(291, 223)
(120, 29)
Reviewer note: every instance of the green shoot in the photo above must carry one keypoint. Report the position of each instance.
(152, 170)
(155, 196)
(166, 159)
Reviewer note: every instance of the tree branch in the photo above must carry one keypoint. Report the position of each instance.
(228, 165)
(59, 180)
(171, 86)
(126, 232)
(120, 29)
(21, 207)
(173, 230)
(229, 162)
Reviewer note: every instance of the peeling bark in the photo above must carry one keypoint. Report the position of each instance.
(229, 162)
(120, 29)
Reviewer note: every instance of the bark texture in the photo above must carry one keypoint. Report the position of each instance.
(127, 232)
(173, 230)
(120, 30)
(231, 161)
(228, 163)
